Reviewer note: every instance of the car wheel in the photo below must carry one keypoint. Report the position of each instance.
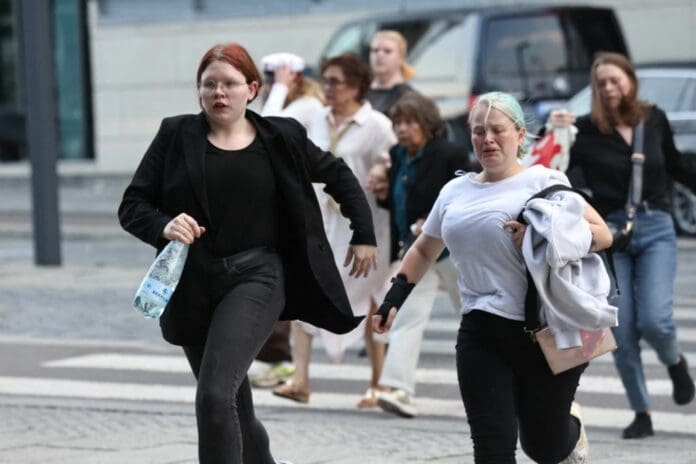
(684, 209)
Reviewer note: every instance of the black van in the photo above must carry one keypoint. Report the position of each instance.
(542, 55)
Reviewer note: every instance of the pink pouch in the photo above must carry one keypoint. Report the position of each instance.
(594, 343)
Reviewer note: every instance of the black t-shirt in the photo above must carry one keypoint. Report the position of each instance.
(242, 197)
(602, 163)
(383, 99)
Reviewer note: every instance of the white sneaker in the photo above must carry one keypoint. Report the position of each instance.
(581, 452)
(397, 402)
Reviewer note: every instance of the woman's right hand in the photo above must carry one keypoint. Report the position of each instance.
(183, 228)
(561, 118)
(283, 74)
(383, 318)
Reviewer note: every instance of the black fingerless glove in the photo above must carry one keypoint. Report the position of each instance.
(395, 297)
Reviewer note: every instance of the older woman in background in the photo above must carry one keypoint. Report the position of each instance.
(353, 131)
(421, 164)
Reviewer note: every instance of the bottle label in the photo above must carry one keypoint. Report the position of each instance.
(156, 290)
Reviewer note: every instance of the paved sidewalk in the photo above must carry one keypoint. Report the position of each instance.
(88, 304)
(87, 301)
(40, 431)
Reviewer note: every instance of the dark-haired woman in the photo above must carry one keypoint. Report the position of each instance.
(422, 162)
(237, 188)
(349, 128)
(600, 160)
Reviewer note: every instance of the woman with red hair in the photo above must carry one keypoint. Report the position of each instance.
(227, 181)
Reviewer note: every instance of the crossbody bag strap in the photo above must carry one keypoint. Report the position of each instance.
(635, 188)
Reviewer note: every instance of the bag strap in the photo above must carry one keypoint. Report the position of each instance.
(635, 188)
(548, 191)
(531, 299)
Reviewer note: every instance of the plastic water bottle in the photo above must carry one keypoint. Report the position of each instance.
(161, 280)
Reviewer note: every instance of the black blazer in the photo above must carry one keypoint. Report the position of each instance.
(441, 159)
(170, 180)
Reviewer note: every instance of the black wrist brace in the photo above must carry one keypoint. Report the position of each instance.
(395, 297)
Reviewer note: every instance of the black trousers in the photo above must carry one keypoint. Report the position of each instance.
(506, 386)
(249, 292)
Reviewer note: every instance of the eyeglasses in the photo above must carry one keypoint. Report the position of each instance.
(331, 82)
(227, 86)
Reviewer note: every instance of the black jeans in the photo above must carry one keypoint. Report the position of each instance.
(249, 292)
(505, 381)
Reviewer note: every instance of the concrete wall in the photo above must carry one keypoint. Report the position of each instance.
(143, 72)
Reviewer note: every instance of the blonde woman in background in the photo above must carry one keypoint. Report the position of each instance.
(390, 71)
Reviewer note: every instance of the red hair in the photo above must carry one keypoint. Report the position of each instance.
(235, 55)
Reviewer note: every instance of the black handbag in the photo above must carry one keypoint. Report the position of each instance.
(621, 232)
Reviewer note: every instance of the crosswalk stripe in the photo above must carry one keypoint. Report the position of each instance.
(601, 417)
(446, 348)
(450, 326)
(172, 364)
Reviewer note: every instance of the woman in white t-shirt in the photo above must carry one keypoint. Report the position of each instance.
(505, 382)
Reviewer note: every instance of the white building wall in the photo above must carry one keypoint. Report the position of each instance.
(144, 72)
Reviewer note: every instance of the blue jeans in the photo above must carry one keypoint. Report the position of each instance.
(645, 272)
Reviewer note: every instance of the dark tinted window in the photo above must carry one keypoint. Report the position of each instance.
(597, 29)
(11, 118)
(523, 46)
(413, 30)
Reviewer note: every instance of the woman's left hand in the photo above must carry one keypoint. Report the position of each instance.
(517, 229)
(363, 257)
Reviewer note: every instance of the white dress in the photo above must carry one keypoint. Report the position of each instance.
(364, 142)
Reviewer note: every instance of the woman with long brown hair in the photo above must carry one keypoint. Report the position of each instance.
(600, 160)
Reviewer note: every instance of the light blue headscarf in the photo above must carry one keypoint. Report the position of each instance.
(506, 104)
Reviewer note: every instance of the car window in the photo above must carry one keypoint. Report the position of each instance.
(524, 46)
(580, 104)
(667, 92)
(413, 31)
(598, 30)
(689, 100)
(435, 55)
(346, 40)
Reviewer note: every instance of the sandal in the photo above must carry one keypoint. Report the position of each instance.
(369, 399)
(291, 391)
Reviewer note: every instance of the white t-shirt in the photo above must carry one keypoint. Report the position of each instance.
(468, 216)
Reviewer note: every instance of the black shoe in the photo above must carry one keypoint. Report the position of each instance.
(640, 427)
(682, 384)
